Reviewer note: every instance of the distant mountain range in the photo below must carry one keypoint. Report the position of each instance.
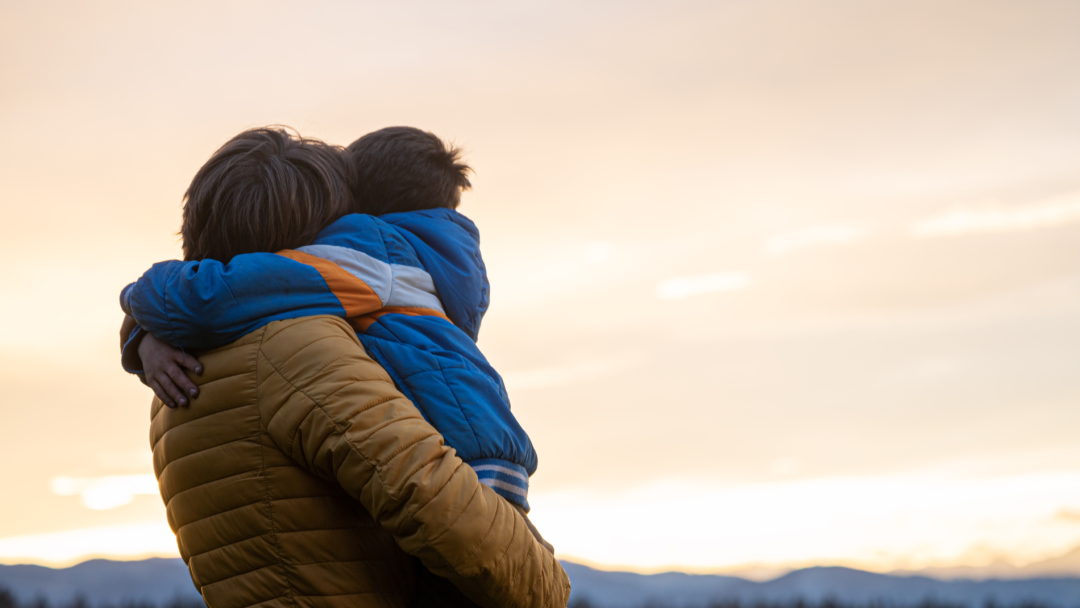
(163, 581)
(101, 581)
(1067, 565)
(813, 585)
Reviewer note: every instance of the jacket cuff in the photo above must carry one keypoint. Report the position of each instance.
(125, 298)
(509, 479)
(129, 354)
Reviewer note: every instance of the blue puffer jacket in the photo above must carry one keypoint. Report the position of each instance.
(412, 284)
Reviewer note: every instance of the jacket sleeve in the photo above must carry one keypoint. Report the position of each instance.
(129, 353)
(207, 304)
(336, 411)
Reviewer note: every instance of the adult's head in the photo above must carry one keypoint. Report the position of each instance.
(405, 169)
(266, 189)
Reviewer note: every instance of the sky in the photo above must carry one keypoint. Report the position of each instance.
(775, 283)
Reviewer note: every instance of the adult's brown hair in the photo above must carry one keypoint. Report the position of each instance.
(266, 189)
(405, 169)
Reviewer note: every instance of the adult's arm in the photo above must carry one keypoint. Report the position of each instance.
(337, 412)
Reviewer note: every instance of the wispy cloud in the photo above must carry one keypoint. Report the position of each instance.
(997, 218)
(104, 493)
(128, 541)
(1068, 515)
(574, 371)
(678, 288)
(820, 234)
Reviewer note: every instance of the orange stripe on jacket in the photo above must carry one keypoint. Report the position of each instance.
(356, 297)
(366, 321)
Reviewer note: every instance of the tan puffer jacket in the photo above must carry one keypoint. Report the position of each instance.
(302, 477)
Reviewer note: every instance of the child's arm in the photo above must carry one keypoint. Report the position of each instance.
(209, 304)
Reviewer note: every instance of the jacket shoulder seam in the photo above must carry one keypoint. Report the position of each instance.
(337, 426)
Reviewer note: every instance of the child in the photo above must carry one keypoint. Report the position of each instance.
(411, 282)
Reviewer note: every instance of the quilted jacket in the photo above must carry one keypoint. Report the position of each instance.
(302, 477)
(414, 287)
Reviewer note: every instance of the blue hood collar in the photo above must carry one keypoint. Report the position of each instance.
(448, 246)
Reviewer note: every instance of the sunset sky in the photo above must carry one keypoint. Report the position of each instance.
(775, 283)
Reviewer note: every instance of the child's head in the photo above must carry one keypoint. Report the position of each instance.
(405, 169)
(265, 190)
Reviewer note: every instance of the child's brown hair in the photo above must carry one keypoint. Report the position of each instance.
(266, 189)
(405, 169)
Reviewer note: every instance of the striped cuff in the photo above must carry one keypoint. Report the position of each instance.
(509, 480)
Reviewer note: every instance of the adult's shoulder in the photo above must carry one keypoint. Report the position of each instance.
(295, 334)
(308, 350)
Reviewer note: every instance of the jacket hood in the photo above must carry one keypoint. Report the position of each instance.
(448, 246)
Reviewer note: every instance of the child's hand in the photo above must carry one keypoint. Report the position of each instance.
(162, 366)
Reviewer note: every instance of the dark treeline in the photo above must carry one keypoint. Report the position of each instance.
(7, 600)
(928, 603)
